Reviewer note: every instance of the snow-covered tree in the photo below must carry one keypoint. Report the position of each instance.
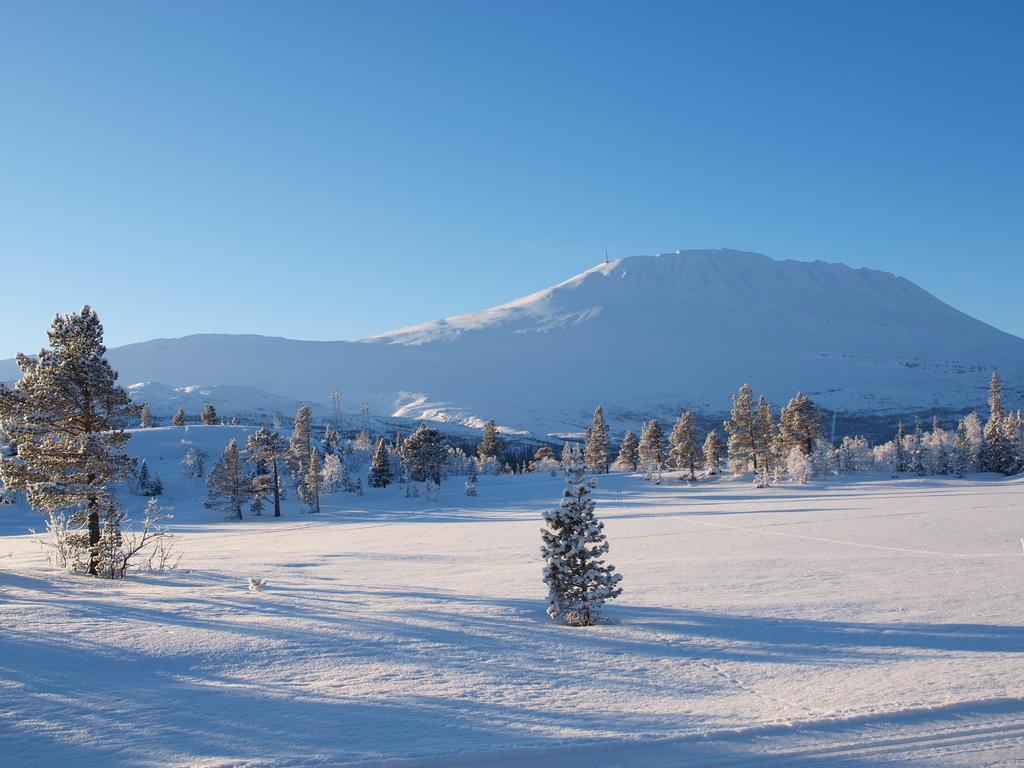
(767, 443)
(424, 455)
(193, 462)
(916, 461)
(712, 452)
(740, 428)
(145, 417)
(629, 457)
(595, 452)
(651, 450)
(683, 446)
(900, 445)
(854, 455)
(309, 491)
(798, 465)
(936, 448)
(489, 445)
(209, 415)
(380, 469)
(228, 486)
(65, 418)
(300, 447)
(330, 443)
(960, 456)
(574, 544)
(178, 419)
(999, 451)
(799, 424)
(333, 475)
(266, 448)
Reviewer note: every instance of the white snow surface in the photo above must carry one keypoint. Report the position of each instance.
(644, 336)
(869, 622)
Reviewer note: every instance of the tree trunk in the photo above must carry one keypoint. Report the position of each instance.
(277, 491)
(94, 535)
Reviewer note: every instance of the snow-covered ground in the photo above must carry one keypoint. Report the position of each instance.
(841, 623)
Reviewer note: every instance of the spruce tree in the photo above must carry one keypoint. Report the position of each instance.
(651, 450)
(65, 418)
(960, 458)
(309, 491)
(712, 453)
(228, 486)
(998, 451)
(740, 428)
(579, 581)
(489, 445)
(145, 417)
(380, 469)
(766, 442)
(267, 447)
(628, 458)
(178, 420)
(915, 453)
(595, 452)
(209, 415)
(799, 424)
(683, 445)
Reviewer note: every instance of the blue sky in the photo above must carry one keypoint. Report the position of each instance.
(332, 170)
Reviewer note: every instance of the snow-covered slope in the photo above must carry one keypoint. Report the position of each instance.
(644, 335)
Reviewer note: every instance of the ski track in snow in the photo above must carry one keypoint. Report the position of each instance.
(394, 632)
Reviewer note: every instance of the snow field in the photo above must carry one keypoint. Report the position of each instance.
(868, 622)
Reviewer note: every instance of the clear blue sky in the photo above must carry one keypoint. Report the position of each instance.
(332, 170)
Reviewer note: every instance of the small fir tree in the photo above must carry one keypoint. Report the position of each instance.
(712, 453)
(145, 417)
(651, 449)
(489, 445)
(209, 415)
(380, 469)
(683, 446)
(740, 429)
(629, 456)
(579, 581)
(799, 424)
(178, 420)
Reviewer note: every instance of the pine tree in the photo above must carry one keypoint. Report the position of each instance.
(651, 450)
(915, 453)
(145, 417)
(766, 442)
(900, 459)
(65, 418)
(178, 420)
(333, 475)
(629, 457)
(595, 452)
(489, 445)
(579, 581)
(960, 458)
(712, 453)
(380, 469)
(799, 424)
(330, 442)
(740, 428)
(300, 447)
(424, 455)
(683, 445)
(209, 415)
(309, 491)
(266, 447)
(228, 486)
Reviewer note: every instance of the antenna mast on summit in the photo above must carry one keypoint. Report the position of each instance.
(605, 255)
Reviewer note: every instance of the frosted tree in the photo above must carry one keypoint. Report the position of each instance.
(916, 460)
(799, 424)
(193, 462)
(423, 455)
(900, 445)
(333, 475)
(228, 487)
(380, 468)
(65, 419)
(798, 465)
(740, 429)
(300, 447)
(574, 544)
(651, 450)
(145, 417)
(330, 442)
(712, 453)
(766, 442)
(960, 456)
(595, 452)
(975, 439)
(935, 449)
(266, 448)
(209, 415)
(309, 491)
(489, 445)
(998, 449)
(628, 458)
(178, 419)
(683, 445)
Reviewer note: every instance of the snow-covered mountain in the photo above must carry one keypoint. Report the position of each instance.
(645, 336)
